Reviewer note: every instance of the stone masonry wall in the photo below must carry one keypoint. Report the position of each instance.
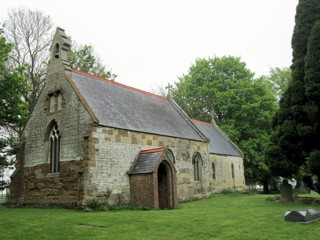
(72, 120)
(17, 178)
(223, 173)
(116, 151)
(63, 188)
(41, 186)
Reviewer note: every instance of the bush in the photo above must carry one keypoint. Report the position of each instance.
(96, 205)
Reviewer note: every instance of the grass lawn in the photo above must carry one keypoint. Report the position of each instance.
(228, 216)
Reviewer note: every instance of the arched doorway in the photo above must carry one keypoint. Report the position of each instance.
(164, 186)
(153, 180)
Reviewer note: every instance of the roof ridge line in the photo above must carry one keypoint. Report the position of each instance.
(188, 119)
(117, 84)
(152, 150)
(199, 121)
(228, 139)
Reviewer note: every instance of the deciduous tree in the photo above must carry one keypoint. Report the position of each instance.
(13, 107)
(84, 58)
(243, 107)
(31, 32)
(279, 79)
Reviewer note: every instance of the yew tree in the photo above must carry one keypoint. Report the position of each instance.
(312, 86)
(295, 124)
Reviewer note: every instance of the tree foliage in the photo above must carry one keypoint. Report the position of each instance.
(31, 32)
(84, 58)
(242, 106)
(13, 108)
(212, 81)
(312, 107)
(295, 125)
(279, 79)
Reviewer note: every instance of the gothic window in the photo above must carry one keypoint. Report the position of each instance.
(197, 166)
(213, 171)
(232, 170)
(54, 146)
(170, 156)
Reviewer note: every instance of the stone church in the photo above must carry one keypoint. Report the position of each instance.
(92, 138)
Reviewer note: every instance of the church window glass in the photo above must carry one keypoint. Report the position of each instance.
(213, 171)
(54, 142)
(57, 51)
(197, 166)
(232, 170)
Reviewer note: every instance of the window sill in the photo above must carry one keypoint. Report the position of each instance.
(56, 174)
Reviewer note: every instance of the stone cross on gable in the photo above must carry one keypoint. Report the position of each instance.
(213, 116)
(169, 88)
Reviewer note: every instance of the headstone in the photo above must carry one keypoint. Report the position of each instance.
(286, 192)
(306, 216)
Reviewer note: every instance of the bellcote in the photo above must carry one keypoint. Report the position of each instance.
(60, 47)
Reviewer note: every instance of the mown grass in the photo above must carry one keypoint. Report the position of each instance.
(232, 216)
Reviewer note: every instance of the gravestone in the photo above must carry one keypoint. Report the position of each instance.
(306, 216)
(286, 192)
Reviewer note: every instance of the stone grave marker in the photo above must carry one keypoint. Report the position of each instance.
(306, 216)
(286, 192)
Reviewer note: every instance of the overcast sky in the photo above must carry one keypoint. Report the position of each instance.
(150, 43)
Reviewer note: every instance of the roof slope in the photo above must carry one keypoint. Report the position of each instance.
(219, 142)
(119, 106)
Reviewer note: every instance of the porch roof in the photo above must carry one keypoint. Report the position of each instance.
(147, 161)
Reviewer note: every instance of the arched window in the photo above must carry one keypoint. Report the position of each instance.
(170, 156)
(56, 51)
(232, 170)
(197, 166)
(213, 171)
(54, 146)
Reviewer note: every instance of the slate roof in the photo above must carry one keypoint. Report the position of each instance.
(147, 161)
(119, 106)
(219, 142)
